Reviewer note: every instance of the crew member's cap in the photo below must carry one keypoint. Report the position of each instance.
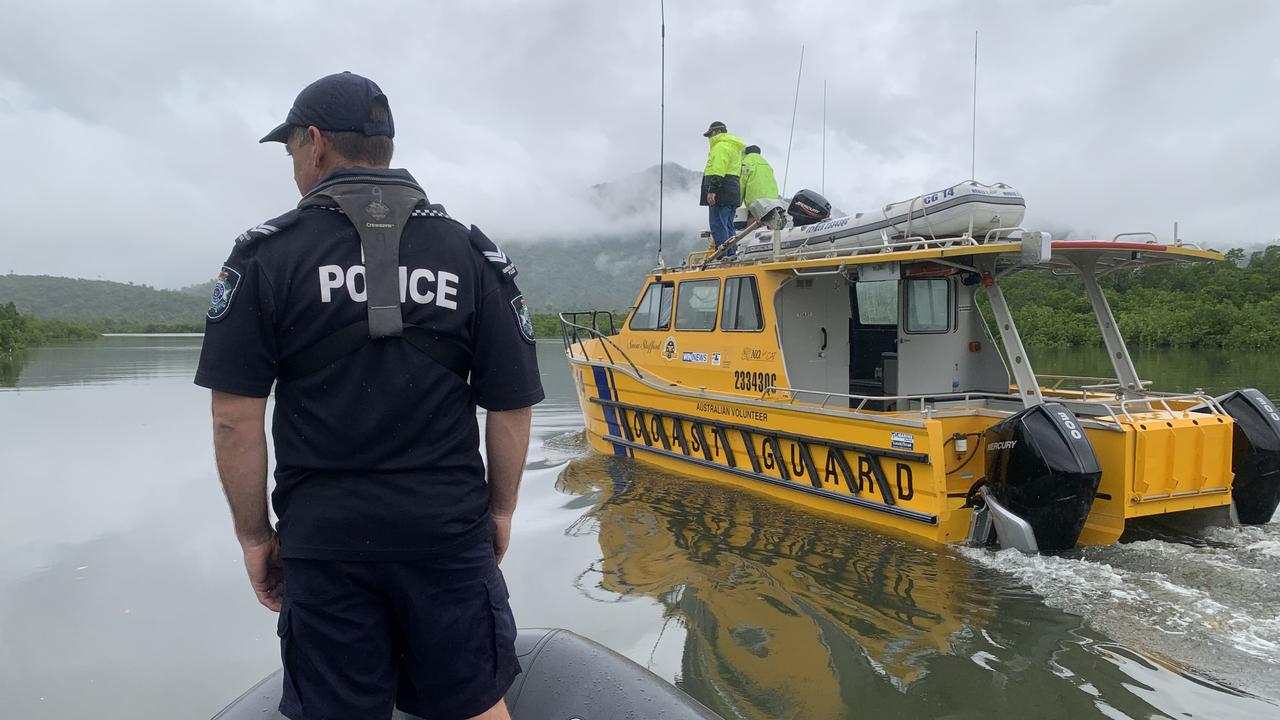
(338, 103)
(715, 128)
(751, 149)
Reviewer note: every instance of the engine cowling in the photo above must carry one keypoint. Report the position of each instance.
(808, 207)
(1042, 468)
(1255, 455)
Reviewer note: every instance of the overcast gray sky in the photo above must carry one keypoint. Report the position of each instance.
(131, 127)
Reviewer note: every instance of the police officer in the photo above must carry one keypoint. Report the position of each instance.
(382, 323)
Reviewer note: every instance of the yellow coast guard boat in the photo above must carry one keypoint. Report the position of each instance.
(861, 377)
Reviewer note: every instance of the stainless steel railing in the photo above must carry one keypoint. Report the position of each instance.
(572, 334)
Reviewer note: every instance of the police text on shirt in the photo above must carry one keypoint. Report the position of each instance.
(421, 285)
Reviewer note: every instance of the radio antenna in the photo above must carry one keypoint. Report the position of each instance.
(662, 122)
(794, 105)
(973, 139)
(824, 137)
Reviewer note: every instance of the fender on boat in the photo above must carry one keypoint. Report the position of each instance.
(563, 675)
(1042, 475)
(1255, 455)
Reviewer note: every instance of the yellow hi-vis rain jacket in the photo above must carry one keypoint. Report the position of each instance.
(724, 163)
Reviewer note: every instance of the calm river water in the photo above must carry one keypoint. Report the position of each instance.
(122, 594)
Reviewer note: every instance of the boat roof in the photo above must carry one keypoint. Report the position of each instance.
(1109, 255)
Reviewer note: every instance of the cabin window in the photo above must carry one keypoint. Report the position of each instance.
(877, 302)
(654, 310)
(741, 305)
(928, 305)
(696, 305)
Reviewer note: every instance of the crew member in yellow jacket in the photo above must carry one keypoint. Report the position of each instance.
(721, 191)
(757, 177)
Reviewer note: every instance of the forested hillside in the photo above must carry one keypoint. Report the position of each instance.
(1226, 304)
(1223, 304)
(20, 331)
(92, 301)
(603, 273)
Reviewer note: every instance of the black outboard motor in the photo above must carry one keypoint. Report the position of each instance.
(1255, 454)
(1042, 470)
(808, 207)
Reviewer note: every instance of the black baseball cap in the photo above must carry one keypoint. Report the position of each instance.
(338, 103)
(751, 149)
(716, 126)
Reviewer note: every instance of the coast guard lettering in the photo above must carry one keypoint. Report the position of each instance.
(377, 454)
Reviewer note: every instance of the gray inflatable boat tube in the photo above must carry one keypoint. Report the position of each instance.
(563, 676)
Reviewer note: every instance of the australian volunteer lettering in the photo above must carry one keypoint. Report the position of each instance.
(423, 286)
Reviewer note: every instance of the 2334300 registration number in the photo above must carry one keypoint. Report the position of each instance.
(753, 381)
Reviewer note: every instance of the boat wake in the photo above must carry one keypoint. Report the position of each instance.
(1208, 608)
(563, 447)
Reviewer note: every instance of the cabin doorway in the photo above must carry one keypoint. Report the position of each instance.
(873, 338)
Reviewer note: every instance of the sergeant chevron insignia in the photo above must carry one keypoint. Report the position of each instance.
(494, 254)
(266, 229)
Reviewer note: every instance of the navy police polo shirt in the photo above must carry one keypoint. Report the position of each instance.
(377, 455)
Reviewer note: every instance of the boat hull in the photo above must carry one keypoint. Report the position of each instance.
(837, 465)
(900, 473)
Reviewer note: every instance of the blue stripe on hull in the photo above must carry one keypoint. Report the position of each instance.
(604, 392)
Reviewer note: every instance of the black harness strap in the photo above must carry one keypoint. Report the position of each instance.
(444, 350)
(379, 209)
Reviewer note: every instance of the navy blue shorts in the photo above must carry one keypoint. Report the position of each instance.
(359, 638)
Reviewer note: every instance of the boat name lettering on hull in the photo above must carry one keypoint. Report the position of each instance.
(645, 345)
(732, 411)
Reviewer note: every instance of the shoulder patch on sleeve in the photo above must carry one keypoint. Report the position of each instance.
(492, 253)
(224, 291)
(266, 229)
(523, 320)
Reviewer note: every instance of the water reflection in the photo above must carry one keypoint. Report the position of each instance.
(789, 614)
(1172, 369)
(122, 594)
(107, 360)
(11, 365)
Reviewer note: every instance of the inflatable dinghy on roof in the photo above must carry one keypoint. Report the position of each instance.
(967, 207)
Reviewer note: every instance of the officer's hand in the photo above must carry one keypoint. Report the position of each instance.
(501, 535)
(266, 572)
(711, 198)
